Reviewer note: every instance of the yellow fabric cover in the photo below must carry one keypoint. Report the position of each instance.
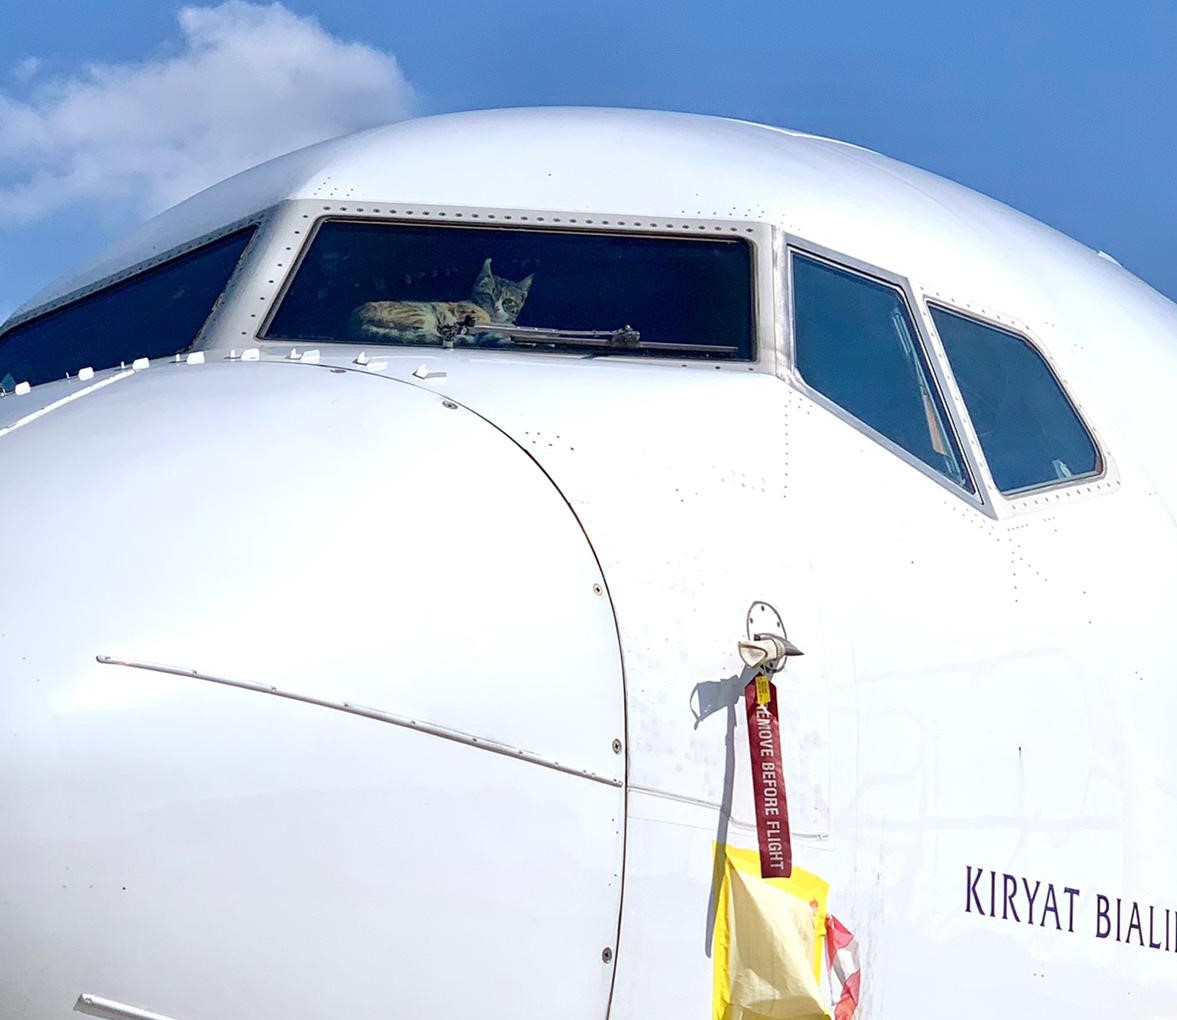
(769, 943)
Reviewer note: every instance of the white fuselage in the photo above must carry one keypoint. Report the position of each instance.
(369, 686)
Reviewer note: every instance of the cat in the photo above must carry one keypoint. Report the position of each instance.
(494, 299)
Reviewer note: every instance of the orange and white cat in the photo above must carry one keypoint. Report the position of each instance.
(494, 299)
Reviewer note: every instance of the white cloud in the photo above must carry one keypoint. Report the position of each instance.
(247, 82)
(25, 69)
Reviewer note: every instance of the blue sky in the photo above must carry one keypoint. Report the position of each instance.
(111, 112)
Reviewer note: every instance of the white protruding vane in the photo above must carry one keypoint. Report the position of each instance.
(108, 1009)
(767, 650)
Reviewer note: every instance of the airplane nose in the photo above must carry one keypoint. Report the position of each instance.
(310, 697)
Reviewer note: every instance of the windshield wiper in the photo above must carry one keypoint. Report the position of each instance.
(624, 339)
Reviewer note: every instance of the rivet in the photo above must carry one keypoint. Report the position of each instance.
(606, 954)
(617, 747)
(598, 590)
(449, 404)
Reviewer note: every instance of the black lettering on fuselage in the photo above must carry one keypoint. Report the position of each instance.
(971, 896)
(1050, 906)
(1070, 894)
(1009, 892)
(1102, 904)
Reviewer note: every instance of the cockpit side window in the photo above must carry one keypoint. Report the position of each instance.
(857, 345)
(521, 288)
(1029, 431)
(153, 314)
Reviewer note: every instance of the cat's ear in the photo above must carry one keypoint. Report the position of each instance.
(525, 283)
(486, 274)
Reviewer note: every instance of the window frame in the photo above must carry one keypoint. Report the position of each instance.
(757, 236)
(941, 379)
(1022, 333)
(129, 272)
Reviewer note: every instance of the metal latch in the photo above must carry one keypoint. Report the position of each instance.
(766, 645)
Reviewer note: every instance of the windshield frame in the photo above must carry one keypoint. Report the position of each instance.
(106, 280)
(133, 274)
(941, 378)
(765, 339)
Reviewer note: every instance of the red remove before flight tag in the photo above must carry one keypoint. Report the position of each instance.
(768, 781)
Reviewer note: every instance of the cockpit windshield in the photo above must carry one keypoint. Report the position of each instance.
(520, 288)
(151, 314)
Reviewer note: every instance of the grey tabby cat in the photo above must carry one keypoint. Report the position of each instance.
(494, 299)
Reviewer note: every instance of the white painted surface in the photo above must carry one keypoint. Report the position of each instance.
(177, 823)
(978, 690)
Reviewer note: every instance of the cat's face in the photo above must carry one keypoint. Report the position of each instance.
(502, 298)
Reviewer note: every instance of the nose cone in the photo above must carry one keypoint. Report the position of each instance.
(207, 850)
